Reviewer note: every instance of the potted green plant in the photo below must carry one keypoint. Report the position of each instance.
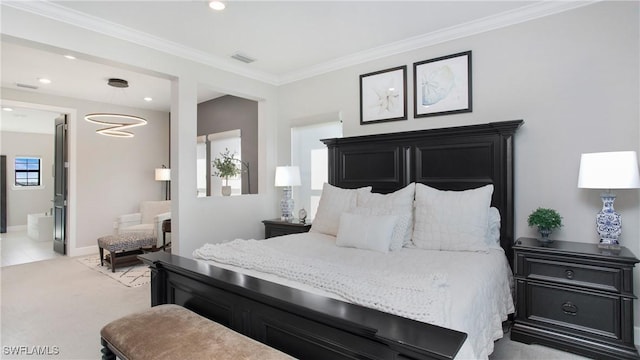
(546, 220)
(226, 166)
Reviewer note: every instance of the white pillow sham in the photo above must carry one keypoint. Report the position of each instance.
(333, 202)
(451, 220)
(398, 203)
(493, 229)
(403, 222)
(366, 232)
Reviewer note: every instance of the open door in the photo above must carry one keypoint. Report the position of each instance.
(61, 165)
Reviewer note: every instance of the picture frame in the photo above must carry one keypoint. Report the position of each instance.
(442, 86)
(383, 95)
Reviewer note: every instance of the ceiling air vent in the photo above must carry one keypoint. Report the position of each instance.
(119, 83)
(242, 57)
(26, 86)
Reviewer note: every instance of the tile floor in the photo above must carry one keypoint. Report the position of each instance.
(17, 248)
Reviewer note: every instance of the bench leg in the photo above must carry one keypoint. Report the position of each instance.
(113, 261)
(101, 256)
(107, 354)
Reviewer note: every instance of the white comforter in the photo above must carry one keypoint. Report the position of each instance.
(477, 284)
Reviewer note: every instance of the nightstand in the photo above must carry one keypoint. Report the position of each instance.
(575, 297)
(277, 227)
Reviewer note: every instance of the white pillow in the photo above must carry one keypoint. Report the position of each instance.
(452, 220)
(403, 222)
(493, 229)
(333, 202)
(398, 203)
(366, 232)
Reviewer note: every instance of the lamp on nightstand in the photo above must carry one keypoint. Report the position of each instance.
(286, 177)
(609, 170)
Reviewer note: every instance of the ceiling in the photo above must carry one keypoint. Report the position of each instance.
(290, 40)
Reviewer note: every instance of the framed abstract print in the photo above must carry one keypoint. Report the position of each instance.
(442, 86)
(383, 95)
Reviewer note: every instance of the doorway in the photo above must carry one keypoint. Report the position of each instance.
(30, 212)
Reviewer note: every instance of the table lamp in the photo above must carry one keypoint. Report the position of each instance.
(286, 177)
(609, 170)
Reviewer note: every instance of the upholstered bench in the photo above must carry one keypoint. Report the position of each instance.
(171, 332)
(125, 247)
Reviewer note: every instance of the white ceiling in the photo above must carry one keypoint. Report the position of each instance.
(290, 40)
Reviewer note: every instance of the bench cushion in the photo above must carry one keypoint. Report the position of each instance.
(127, 241)
(172, 332)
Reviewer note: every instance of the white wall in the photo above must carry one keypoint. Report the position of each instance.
(572, 77)
(194, 220)
(23, 201)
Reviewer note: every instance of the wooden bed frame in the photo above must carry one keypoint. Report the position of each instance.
(309, 326)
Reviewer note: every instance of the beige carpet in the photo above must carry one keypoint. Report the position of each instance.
(132, 276)
(61, 304)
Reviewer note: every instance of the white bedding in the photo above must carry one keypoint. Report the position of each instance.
(478, 284)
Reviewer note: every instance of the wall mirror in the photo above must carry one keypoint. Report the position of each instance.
(227, 125)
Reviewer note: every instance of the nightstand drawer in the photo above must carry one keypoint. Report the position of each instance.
(595, 277)
(576, 311)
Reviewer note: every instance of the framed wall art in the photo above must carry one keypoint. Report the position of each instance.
(383, 95)
(442, 86)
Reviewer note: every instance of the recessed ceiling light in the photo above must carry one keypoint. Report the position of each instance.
(7, 109)
(44, 80)
(148, 98)
(217, 5)
(70, 57)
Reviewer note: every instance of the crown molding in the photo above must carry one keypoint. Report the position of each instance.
(96, 24)
(504, 19)
(92, 23)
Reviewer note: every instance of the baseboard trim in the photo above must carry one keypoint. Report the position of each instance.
(83, 251)
(16, 228)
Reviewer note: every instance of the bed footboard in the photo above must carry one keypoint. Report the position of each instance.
(302, 324)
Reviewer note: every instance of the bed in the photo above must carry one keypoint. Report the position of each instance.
(317, 324)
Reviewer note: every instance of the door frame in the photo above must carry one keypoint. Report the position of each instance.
(72, 116)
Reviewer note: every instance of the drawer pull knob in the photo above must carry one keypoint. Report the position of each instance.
(569, 274)
(569, 308)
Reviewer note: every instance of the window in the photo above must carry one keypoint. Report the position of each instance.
(27, 171)
(310, 155)
(209, 147)
(220, 143)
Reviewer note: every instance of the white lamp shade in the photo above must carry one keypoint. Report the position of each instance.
(287, 176)
(609, 170)
(163, 174)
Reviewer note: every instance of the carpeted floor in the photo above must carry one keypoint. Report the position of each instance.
(60, 305)
(132, 276)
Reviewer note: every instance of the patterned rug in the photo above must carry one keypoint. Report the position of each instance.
(131, 276)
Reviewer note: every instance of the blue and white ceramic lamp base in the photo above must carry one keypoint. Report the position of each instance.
(286, 204)
(608, 223)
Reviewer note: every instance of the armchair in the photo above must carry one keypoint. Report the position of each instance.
(148, 220)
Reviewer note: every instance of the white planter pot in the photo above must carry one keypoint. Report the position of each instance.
(226, 190)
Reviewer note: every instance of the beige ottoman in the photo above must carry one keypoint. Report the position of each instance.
(171, 332)
(124, 248)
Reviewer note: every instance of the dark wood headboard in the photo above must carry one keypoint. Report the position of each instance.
(455, 158)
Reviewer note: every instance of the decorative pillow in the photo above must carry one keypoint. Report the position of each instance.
(398, 203)
(452, 220)
(366, 232)
(493, 229)
(403, 222)
(333, 202)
